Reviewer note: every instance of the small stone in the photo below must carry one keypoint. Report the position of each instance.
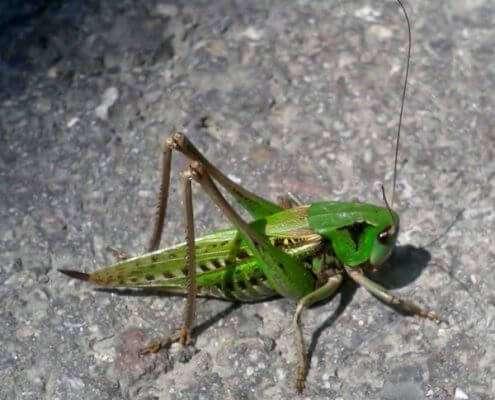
(367, 13)
(166, 10)
(109, 98)
(18, 266)
(253, 33)
(381, 32)
(459, 394)
(43, 106)
(24, 332)
(72, 122)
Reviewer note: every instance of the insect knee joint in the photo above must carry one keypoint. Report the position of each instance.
(175, 141)
(195, 171)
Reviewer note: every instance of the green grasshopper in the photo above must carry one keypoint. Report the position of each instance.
(302, 252)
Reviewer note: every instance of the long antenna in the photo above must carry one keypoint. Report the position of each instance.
(402, 102)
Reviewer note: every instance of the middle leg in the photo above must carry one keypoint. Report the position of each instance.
(323, 292)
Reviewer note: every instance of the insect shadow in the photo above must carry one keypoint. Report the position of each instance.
(404, 267)
(146, 292)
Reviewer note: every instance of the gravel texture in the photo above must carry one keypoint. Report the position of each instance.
(298, 96)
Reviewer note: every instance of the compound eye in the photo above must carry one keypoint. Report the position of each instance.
(385, 235)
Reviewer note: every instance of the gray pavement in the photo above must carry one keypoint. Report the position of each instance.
(299, 96)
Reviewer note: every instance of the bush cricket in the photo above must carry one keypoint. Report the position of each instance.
(302, 252)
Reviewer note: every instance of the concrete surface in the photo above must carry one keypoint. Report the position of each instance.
(298, 96)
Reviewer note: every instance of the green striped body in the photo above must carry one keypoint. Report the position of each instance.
(323, 237)
(226, 267)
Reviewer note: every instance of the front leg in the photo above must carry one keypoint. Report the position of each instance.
(387, 297)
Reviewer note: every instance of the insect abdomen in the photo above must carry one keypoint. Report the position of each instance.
(225, 267)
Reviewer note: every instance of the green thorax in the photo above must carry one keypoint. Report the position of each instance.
(358, 232)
